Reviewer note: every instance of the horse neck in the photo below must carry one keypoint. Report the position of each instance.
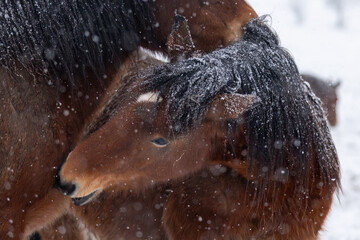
(231, 150)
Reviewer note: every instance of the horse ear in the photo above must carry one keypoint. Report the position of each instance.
(231, 106)
(179, 43)
(337, 84)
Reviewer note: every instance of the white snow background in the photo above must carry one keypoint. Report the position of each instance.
(321, 47)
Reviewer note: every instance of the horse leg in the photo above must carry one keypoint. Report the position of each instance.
(45, 211)
(66, 228)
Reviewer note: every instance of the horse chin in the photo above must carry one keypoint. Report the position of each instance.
(86, 199)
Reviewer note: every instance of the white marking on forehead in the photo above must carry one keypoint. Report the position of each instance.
(150, 97)
(154, 54)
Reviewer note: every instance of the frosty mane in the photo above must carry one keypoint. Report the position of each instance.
(286, 131)
(70, 37)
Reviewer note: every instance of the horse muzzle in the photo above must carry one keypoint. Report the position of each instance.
(67, 188)
(83, 200)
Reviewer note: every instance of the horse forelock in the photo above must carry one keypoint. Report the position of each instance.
(284, 133)
(70, 37)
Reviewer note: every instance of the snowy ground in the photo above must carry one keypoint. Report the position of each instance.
(321, 48)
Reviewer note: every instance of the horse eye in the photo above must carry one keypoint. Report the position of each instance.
(161, 142)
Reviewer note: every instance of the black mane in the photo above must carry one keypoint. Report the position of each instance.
(284, 132)
(69, 37)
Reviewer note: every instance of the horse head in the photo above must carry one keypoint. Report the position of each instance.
(137, 148)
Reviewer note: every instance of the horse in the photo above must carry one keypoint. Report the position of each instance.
(236, 137)
(122, 214)
(326, 91)
(116, 214)
(57, 62)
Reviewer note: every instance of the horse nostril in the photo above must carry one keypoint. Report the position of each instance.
(67, 188)
(35, 236)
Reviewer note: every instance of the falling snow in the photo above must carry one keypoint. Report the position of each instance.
(318, 45)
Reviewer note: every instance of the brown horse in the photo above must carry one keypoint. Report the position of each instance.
(121, 215)
(238, 137)
(326, 91)
(58, 61)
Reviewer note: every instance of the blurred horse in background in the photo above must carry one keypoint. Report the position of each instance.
(236, 136)
(326, 91)
(57, 62)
